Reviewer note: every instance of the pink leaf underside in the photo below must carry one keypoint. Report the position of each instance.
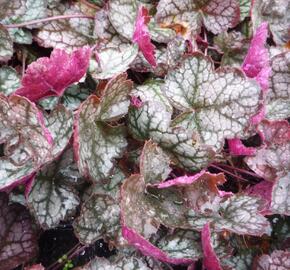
(257, 63)
(277, 132)
(35, 267)
(237, 148)
(148, 249)
(136, 102)
(210, 259)
(141, 36)
(51, 76)
(264, 191)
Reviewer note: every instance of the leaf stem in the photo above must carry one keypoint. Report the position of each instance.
(240, 170)
(48, 19)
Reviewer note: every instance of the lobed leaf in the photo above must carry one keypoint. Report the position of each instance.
(27, 143)
(96, 143)
(99, 218)
(216, 15)
(18, 243)
(68, 34)
(50, 199)
(50, 76)
(221, 102)
(154, 163)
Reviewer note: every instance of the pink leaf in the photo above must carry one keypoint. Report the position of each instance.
(257, 64)
(51, 76)
(35, 267)
(210, 259)
(277, 132)
(141, 36)
(264, 191)
(148, 249)
(237, 148)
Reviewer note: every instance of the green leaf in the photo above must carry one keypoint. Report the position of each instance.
(6, 45)
(50, 199)
(9, 80)
(26, 142)
(60, 125)
(280, 203)
(181, 245)
(67, 34)
(154, 163)
(21, 36)
(113, 61)
(278, 104)
(222, 101)
(99, 218)
(245, 6)
(74, 95)
(48, 103)
(18, 242)
(97, 144)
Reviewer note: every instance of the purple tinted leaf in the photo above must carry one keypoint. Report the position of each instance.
(99, 218)
(221, 102)
(257, 63)
(18, 243)
(148, 249)
(210, 259)
(277, 260)
(141, 36)
(237, 148)
(154, 163)
(50, 76)
(96, 144)
(35, 267)
(27, 142)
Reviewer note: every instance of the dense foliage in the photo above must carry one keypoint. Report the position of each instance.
(160, 127)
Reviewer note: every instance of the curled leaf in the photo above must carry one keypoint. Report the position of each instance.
(141, 36)
(237, 148)
(50, 76)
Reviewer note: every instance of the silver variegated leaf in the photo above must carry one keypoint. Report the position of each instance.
(278, 104)
(182, 244)
(221, 101)
(279, 259)
(60, 125)
(96, 143)
(276, 13)
(6, 45)
(50, 199)
(113, 61)
(27, 144)
(18, 242)
(154, 163)
(245, 6)
(9, 80)
(99, 218)
(67, 34)
(115, 98)
(130, 263)
(280, 203)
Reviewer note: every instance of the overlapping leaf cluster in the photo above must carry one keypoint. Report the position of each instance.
(160, 127)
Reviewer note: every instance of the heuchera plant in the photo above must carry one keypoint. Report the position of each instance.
(159, 127)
